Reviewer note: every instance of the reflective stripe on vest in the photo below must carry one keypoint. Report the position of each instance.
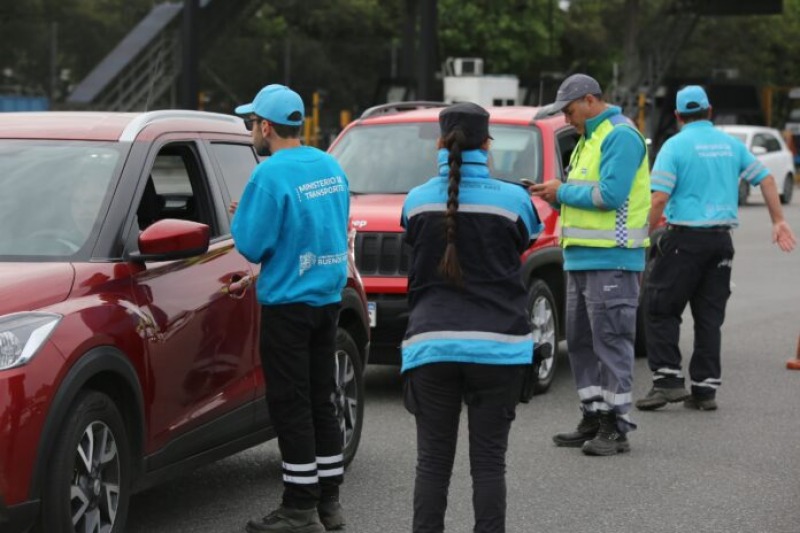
(625, 227)
(636, 237)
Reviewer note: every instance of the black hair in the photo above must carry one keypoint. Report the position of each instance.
(694, 116)
(449, 267)
(286, 131)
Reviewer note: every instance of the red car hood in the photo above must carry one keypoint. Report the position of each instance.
(377, 212)
(31, 286)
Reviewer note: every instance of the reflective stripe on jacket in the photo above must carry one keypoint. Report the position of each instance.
(625, 227)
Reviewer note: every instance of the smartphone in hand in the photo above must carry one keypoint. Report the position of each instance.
(527, 182)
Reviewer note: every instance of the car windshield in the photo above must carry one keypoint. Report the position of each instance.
(394, 158)
(53, 193)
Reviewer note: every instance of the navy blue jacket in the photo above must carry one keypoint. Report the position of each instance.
(484, 321)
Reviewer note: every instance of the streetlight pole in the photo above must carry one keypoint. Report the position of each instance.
(53, 87)
(189, 82)
(428, 50)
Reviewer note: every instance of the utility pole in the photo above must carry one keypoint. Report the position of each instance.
(287, 61)
(409, 48)
(189, 83)
(551, 32)
(428, 50)
(53, 86)
(631, 67)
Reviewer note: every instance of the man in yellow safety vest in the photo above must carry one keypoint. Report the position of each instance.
(604, 205)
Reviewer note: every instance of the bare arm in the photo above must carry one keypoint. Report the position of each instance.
(658, 201)
(781, 232)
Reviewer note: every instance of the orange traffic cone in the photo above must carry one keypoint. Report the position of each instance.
(794, 364)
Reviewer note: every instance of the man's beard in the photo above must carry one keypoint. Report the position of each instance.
(264, 149)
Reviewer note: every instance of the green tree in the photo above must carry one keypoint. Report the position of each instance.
(341, 48)
(345, 47)
(512, 36)
(42, 38)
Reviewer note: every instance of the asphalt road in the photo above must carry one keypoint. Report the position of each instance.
(736, 470)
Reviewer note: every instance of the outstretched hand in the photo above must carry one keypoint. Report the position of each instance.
(783, 236)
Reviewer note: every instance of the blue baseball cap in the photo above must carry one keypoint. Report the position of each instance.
(276, 103)
(691, 99)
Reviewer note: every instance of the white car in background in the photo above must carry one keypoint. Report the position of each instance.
(768, 146)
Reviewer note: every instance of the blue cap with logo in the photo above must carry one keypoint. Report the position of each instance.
(691, 99)
(276, 103)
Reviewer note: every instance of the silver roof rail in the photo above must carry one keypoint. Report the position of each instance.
(141, 121)
(396, 107)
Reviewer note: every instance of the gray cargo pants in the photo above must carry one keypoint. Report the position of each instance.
(601, 325)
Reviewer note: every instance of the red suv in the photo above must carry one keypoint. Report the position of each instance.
(391, 149)
(128, 321)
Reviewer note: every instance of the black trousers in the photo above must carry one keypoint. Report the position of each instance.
(433, 393)
(298, 343)
(694, 267)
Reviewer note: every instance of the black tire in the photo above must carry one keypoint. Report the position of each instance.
(788, 189)
(349, 396)
(543, 316)
(744, 192)
(77, 486)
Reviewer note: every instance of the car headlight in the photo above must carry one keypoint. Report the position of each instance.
(21, 336)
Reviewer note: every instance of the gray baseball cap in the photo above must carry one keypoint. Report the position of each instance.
(573, 88)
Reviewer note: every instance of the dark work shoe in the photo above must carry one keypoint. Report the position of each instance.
(331, 515)
(659, 397)
(587, 429)
(287, 520)
(609, 439)
(700, 404)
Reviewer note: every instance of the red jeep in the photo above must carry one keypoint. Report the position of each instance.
(392, 148)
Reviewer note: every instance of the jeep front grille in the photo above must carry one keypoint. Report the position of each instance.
(381, 254)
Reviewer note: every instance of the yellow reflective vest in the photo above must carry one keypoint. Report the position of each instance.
(625, 227)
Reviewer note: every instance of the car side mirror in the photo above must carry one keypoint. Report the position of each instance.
(758, 150)
(170, 239)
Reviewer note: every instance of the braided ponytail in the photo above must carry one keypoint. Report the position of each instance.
(450, 268)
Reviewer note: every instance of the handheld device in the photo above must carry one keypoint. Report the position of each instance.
(527, 182)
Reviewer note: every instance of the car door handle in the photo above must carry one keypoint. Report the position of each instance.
(238, 286)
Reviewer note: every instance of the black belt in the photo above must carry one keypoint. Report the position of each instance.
(702, 229)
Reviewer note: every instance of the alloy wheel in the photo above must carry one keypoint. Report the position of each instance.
(543, 326)
(95, 485)
(346, 399)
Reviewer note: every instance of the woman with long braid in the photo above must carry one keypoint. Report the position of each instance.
(468, 333)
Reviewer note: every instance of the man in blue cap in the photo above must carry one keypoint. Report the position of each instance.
(695, 180)
(292, 219)
(604, 205)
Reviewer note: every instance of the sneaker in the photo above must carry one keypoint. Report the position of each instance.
(609, 439)
(331, 515)
(587, 429)
(287, 520)
(659, 397)
(700, 404)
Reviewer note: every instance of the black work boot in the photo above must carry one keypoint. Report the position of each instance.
(331, 515)
(700, 403)
(658, 397)
(609, 440)
(587, 429)
(287, 520)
